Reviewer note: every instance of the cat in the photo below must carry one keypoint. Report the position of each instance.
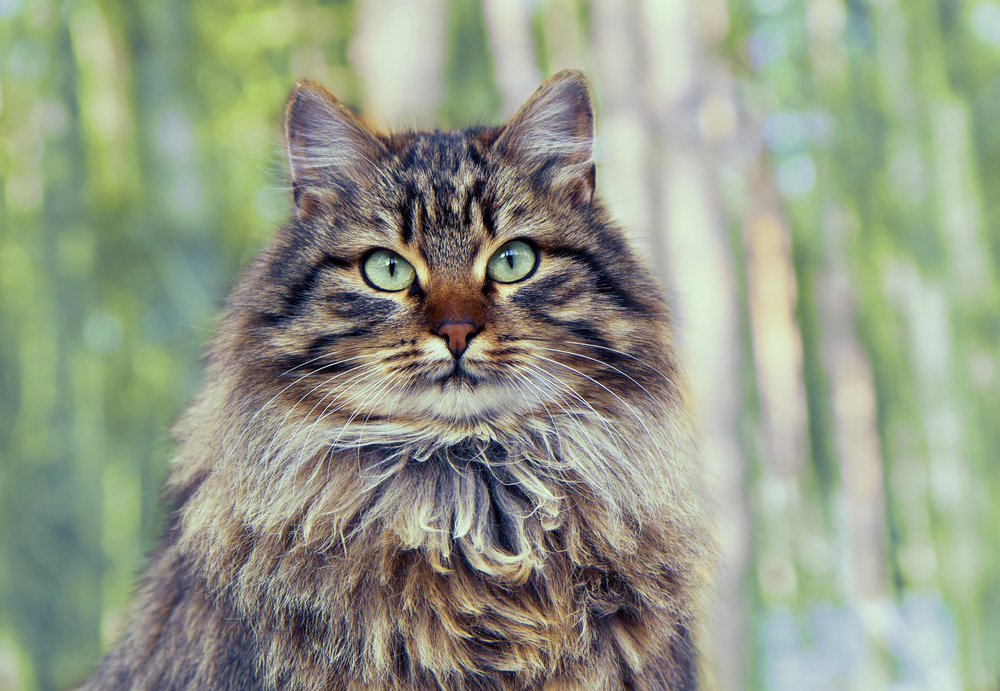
(443, 442)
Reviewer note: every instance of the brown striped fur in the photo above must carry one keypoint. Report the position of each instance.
(353, 512)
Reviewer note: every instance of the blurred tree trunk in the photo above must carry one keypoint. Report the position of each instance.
(666, 103)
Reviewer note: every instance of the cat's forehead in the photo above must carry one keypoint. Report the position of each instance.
(440, 151)
(437, 166)
(441, 202)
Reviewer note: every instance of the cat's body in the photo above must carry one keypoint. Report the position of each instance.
(468, 482)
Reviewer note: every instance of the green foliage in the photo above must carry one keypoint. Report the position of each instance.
(471, 92)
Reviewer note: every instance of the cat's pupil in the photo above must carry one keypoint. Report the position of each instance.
(392, 266)
(510, 258)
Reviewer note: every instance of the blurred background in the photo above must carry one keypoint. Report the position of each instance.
(815, 180)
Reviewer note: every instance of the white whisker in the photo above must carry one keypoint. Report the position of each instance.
(586, 376)
(605, 364)
(566, 387)
(624, 354)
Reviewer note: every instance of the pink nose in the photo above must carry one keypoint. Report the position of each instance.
(458, 335)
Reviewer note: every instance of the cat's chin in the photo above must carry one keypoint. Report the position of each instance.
(462, 397)
(465, 391)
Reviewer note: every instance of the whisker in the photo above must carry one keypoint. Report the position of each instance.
(569, 389)
(605, 364)
(302, 448)
(585, 376)
(357, 408)
(361, 434)
(588, 474)
(316, 371)
(306, 417)
(624, 354)
(323, 415)
(406, 385)
(522, 376)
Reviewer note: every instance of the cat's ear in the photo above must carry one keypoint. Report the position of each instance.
(553, 133)
(328, 147)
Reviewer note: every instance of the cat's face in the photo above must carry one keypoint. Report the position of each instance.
(457, 276)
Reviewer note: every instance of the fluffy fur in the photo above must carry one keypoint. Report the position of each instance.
(358, 509)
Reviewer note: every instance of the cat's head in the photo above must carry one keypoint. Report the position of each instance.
(466, 277)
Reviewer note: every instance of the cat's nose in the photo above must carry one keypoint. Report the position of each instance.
(458, 335)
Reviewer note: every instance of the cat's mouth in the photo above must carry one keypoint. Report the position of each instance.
(460, 390)
(459, 374)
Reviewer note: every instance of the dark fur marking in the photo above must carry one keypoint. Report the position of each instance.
(474, 194)
(685, 660)
(357, 306)
(604, 280)
(271, 319)
(401, 356)
(467, 210)
(486, 209)
(586, 332)
(406, 215)
(506, 352)
(472, 153)
(444, 194)
(300, 291)
(323, 345)
(550, 291)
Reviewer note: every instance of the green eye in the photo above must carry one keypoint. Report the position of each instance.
(386, 270)
(512, 262)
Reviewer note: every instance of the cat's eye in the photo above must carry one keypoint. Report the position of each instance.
(385, 270)
(513, 262)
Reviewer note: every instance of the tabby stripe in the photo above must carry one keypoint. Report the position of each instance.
(604, 280)
(322, 345)
(486, 209)
(300, 291)
(406, 215)
(472, 151)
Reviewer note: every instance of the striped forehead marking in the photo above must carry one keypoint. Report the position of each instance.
(443, 200)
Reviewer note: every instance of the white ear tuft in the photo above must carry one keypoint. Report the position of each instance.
(327, 145)
(555, 128)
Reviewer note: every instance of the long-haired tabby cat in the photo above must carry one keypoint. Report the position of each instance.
(443, 443)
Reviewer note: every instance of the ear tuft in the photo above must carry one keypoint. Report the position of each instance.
(555, 128)
(327, 145)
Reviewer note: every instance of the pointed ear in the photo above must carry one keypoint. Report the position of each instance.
(553, 133)
(328, 147)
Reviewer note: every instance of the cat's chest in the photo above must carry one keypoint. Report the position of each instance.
(424, 621)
